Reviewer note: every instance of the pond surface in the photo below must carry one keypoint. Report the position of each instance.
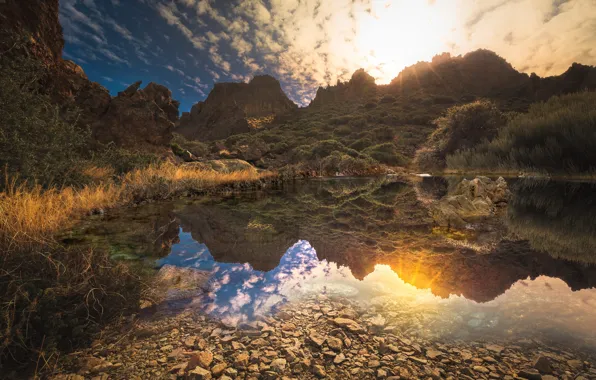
(528, 271)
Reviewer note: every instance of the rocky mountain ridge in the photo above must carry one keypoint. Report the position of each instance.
(228, 105)
(142, 119)
(446, 80)
(478, 74)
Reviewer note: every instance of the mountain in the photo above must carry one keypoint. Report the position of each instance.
(354, 126)
(478, 74)
(226, 109)
(31, 37)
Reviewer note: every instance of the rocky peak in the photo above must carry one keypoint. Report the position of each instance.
(139, 117)
(360, 86)
(30, 30)
(225, 110)
(361, 78)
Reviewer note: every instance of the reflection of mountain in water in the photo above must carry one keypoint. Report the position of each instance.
(358, 223)
(237, 293)
(556, 217)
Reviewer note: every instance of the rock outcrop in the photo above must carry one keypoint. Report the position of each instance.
(360, 86)
(226, 109)
(484, 74)
(469, 201)
(31, 31)
(448, 80)
(138, 117)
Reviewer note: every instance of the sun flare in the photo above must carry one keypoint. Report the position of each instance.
(394, 34)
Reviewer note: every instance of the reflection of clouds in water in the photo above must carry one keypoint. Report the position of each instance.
(237, 292)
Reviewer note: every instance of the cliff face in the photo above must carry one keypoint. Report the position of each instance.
(30, 30)
(138, 117)
(225, 110)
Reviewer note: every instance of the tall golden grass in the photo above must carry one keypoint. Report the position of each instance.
(52, 297)
(34, 215)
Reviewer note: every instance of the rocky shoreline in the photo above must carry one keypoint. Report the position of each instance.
(316, 337)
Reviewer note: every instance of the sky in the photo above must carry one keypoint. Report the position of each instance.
(188, 45)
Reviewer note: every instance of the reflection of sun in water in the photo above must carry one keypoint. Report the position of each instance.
(396, 34)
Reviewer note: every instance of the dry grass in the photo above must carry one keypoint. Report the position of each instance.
(53, 297)
(34, 215)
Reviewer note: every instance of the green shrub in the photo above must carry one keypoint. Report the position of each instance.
(557, 136)
(122, 160)
(197, 148)
(386, 153)
(462, 127)
(361, 144)
(39, 142)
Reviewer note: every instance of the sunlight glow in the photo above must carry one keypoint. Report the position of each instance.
(396, 34)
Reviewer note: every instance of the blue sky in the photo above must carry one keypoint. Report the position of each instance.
(188, 45)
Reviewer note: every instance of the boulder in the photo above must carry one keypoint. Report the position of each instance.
(470, 200)
(222, 166)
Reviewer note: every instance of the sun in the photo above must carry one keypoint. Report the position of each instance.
(391, 35)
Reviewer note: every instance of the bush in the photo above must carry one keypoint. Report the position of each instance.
(122, 160)
(39, 142)
(197, 148)
(462, 127)
(361, 144)
(386, 153)
(557, 136)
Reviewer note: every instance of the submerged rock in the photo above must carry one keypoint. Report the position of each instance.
(470, 200)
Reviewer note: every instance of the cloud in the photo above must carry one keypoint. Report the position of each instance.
(174, 70)
(311, 43)
(169, 13)
(315, 43)
(113, 56)
(107, 79)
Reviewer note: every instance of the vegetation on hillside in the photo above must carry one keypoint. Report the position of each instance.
(557, 136)
(354, 137)
(462, 127)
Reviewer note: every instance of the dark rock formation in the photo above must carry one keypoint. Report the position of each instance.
(225, 110)
(139, 117)
(359, 87)
(478, 74)
(30, 30)
(483, 74)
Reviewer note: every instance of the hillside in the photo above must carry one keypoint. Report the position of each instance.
(354, 126)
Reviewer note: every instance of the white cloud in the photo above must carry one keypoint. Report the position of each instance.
(113, 56)
(169, 13)
(174, 70)
(107, 79)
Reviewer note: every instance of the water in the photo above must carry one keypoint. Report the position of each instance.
(529, 271)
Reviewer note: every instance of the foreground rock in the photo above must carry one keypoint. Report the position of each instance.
(469, 201)
(318, 337)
